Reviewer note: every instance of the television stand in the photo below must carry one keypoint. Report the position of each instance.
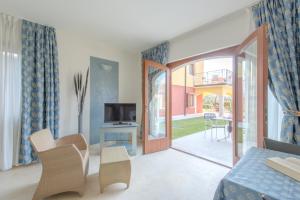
(121, 123)
(112, 128)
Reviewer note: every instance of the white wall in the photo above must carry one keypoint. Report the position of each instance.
(227, 31)
(75, 52)
(74, 55)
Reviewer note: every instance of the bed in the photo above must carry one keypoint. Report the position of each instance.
(251, 179)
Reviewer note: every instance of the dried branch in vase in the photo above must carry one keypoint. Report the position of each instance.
(80, 92)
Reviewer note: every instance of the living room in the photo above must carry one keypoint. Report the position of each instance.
(86, 99)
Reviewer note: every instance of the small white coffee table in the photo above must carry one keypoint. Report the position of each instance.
(115, 167)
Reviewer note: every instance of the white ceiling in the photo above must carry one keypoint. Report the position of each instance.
(129, 24)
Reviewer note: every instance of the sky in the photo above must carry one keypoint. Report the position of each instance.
(218, 63)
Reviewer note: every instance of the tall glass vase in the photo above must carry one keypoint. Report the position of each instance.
(80, 123)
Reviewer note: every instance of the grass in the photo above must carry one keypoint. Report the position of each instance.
(184, 127)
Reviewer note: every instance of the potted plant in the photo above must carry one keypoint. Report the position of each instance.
(80, 86)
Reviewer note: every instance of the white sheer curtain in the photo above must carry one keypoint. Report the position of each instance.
(275, 116)
(10, 90)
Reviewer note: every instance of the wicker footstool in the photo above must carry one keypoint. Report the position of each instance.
(115, 167)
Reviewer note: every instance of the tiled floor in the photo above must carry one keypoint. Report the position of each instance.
(209, 144)
(167, 175)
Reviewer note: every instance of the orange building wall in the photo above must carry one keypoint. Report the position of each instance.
(178, 100)
(200, 103)
(178, 90)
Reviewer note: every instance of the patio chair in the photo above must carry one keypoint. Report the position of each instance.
(211, 123)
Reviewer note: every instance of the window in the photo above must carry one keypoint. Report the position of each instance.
(190, 100)
(162, 101)
(5, 53)
(191, 70)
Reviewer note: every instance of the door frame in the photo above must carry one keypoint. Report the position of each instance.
(262, 79)
(225, 52)
(150, 146)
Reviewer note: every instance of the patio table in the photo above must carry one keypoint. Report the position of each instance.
(229, 128)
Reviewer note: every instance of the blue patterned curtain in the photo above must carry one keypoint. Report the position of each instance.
(159, 53)
(283, 19)
(40, 84)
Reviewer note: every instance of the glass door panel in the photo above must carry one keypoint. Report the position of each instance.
(250, 93)
(157, 79)
(247, 98)
(156, 108)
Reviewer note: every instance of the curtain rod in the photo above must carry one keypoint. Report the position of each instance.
(23, 18)
(249, 7)
(254, 3)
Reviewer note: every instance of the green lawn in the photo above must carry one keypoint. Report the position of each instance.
(184, 127)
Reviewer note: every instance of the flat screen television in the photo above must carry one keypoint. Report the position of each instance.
(119, 112)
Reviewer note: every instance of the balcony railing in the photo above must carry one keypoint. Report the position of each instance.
(217, 77)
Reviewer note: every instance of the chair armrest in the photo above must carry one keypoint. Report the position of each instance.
(61, 159)
(76, 139)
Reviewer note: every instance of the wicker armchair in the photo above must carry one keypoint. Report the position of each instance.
(64, 162)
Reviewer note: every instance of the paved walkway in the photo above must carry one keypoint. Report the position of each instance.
(202, 144)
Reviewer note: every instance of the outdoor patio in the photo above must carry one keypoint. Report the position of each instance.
(210, 146)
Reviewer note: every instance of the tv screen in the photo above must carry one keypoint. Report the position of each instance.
(119, 112)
